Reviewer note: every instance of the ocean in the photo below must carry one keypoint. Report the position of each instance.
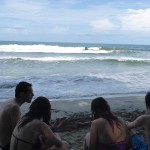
(66, 71)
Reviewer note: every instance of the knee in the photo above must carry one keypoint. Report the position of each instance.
(65, 146)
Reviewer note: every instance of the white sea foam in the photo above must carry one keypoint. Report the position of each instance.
(50, 49)
(69, 58)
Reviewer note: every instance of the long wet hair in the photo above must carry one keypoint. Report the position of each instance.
(39, 109)
(101, 109)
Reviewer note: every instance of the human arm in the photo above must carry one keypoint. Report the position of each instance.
(139, 121)
(51, 138)
(57, 124)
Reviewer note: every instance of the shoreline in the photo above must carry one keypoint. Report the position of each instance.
(61, 108)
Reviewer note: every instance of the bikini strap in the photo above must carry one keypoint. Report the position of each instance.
(18, 139)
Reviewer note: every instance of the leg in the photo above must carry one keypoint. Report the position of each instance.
(65, 146)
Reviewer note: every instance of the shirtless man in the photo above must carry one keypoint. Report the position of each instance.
(142, 121)
(10, 113)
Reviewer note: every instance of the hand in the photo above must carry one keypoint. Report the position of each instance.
(127, 123)
(59, 122)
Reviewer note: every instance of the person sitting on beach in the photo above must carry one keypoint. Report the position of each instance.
(33, 130)
(108, 132)
(10, 113)
(142, 121)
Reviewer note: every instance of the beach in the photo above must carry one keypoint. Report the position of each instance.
(79, 116)
(70, 75)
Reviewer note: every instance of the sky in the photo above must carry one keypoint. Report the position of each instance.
(81, 21)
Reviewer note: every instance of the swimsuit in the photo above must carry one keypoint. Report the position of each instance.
(36, 146)
(5, 147)
(138, 143)
(113, 146)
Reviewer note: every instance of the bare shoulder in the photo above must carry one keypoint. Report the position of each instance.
(99, 121)
(40, 123)
(12, 108)
(42, 126)
(146, 118)
(143, 117)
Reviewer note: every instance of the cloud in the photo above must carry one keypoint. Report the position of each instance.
(103, 24)
(13, 28)
(128, 21)
(60, 30)
(78, 18)
(72, 2)
(136, 20)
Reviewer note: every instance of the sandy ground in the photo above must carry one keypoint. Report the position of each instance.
(78, 113)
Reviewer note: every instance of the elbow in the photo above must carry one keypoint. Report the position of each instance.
(59, 144)
(64, 145)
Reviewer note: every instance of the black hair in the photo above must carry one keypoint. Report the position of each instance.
(21, 87)
(147, 100)
(39, 109)
(101, 109)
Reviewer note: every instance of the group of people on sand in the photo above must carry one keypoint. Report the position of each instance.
(34, 131)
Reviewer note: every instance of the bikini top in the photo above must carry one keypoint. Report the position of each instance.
(36, 146)
(113, 146)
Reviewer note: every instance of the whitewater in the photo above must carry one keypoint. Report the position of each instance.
(65, 71)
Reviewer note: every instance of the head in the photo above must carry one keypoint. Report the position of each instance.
(24, 91)
(101, 109)
(98, 106)
(39, 109)
(147, 100)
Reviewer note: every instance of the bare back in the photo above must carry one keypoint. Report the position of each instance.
(101, 133)
(9, 116)
(28, 135)
(106, 134)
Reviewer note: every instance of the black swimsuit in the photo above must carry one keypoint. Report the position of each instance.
(34, 146)
(6, 147)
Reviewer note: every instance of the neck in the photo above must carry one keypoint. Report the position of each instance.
(19, 101)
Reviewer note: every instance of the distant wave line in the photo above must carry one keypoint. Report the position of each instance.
(58, 49)
(57, 59)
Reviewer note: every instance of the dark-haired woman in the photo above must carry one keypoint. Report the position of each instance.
(108, 132)
(34, 126)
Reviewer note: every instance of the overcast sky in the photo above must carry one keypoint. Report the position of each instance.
(94, 21)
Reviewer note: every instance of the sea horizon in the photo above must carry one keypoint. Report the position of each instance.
(58, 42)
